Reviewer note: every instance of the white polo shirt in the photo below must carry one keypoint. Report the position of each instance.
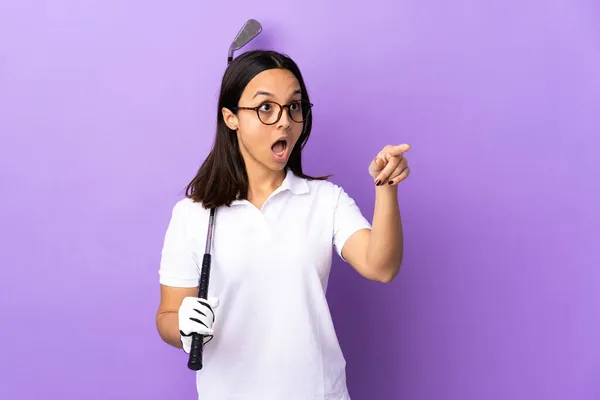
(274, 337)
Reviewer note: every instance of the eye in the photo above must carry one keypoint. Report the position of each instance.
(265, 107)
(296, 106)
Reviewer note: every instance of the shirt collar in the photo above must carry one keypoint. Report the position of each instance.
(294, 183)
(291, 182)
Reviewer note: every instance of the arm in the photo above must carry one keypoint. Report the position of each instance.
(377, 253)
(180, 312)
(167, 320)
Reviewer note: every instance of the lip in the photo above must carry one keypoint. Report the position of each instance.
(284, 137)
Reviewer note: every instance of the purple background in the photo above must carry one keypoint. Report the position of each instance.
(108, 107)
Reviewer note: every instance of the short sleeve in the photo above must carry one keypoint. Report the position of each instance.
(177, 265)
(347, 220)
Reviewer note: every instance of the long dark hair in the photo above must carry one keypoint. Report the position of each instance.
(222, 177)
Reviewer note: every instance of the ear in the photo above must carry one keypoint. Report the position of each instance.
(230, 118)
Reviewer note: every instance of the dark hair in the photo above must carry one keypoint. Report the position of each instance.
(222, 177)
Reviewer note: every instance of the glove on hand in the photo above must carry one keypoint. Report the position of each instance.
(196, 315)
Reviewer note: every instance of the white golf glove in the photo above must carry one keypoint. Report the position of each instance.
(196, 315)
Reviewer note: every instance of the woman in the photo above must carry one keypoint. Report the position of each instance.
(271, 333)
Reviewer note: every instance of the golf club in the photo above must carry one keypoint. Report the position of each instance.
(249, 31)
(195, 357)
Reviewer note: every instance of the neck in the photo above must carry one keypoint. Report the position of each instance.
(262, 181)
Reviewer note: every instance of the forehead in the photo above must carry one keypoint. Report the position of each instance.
(281, 83)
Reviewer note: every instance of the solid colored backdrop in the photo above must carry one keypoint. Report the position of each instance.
(108, 107)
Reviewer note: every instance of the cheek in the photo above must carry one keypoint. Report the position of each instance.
(254, 133)
(296, 131)
(249, 123)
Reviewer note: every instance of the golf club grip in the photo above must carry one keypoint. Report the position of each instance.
(195, 359)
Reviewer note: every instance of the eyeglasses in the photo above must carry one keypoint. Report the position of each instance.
(269, 112)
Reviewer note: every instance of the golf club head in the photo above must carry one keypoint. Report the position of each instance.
(249, 31)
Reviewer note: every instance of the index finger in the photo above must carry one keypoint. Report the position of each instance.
(398, 150)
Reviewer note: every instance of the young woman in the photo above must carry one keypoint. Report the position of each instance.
(271, 333)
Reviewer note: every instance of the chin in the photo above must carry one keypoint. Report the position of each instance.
(278, 166)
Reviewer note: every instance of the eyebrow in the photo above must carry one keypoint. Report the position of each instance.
(263, 93)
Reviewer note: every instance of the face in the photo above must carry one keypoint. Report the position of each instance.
(265, 144)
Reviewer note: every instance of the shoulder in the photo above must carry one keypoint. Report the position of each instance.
(324, 190)
(187, 205)
(323, 187)
(187, 210)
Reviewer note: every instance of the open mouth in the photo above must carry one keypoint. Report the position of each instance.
(280, 151)
(279, 147)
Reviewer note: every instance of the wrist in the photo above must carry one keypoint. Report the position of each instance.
(386, 189)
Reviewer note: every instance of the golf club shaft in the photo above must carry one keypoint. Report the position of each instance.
(195, 357)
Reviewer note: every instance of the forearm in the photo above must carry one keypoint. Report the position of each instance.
(385, 248)
(168, 328)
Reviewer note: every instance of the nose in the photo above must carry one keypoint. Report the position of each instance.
(284, 122)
